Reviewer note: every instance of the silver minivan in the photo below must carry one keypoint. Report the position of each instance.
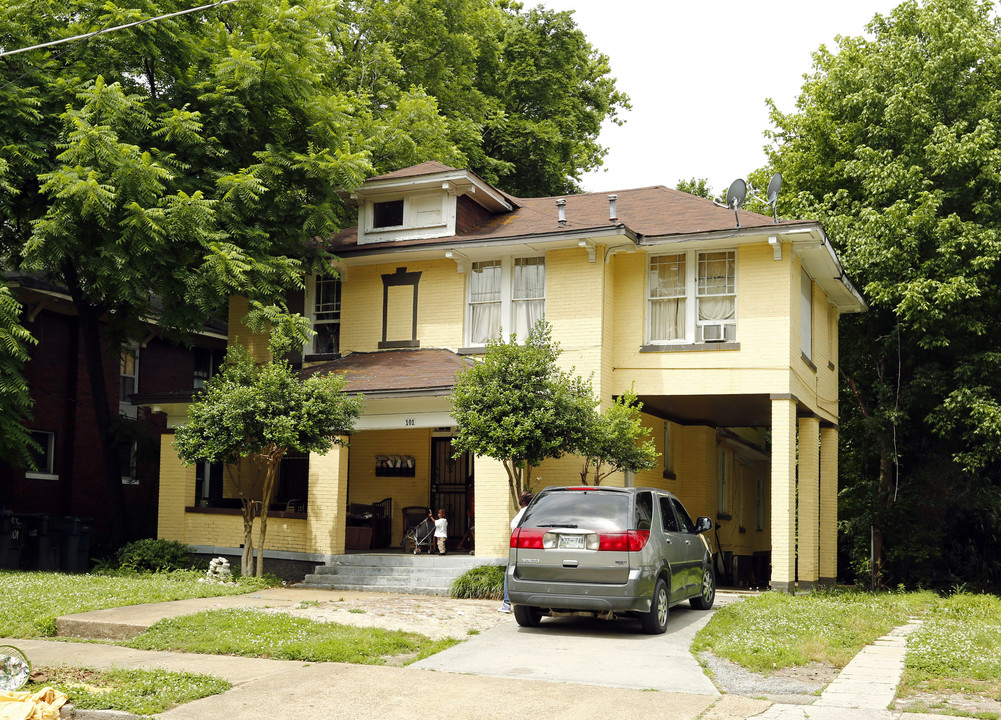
(608, 552)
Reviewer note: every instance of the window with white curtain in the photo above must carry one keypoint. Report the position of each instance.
(506, 295)
(692, 297)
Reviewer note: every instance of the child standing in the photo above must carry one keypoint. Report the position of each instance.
(440, 529)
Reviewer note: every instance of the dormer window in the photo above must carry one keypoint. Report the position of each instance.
(387, 214)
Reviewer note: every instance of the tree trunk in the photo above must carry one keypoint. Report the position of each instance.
(273, 457)
(247, 556)
(90, 330)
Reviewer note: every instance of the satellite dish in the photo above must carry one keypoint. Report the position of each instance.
(735, 197)
(774, 186)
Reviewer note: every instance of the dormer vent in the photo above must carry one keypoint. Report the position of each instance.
(561, 206)
(612, 215)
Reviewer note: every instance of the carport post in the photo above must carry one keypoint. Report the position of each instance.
(783, 493)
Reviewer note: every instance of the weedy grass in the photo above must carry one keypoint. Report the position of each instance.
(279, 636)
(30, 602)
(956, 649)
(776, 630)
(140, 692)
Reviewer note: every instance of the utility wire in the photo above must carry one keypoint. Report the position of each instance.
(118, 27)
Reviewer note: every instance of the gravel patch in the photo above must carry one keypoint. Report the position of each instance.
(794, 686)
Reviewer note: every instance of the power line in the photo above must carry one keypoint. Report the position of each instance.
(118, 27)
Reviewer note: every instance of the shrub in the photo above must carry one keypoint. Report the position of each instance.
(485, 581)
(150, 555)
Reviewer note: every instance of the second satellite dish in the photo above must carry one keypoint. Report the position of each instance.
(774, 186)
(735, 197)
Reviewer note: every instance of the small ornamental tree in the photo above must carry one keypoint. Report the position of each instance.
(616, 441)
(515, 405)
(250, 416)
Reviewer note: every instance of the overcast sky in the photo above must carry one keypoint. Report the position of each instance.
(698, 74)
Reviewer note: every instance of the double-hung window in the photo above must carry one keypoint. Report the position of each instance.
(692, 297)
(325, 305)
(506, 295)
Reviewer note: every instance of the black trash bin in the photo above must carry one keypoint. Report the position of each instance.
(11, 541)
(75, 548)
(42, 534)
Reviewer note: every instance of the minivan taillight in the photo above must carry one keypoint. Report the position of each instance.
(527, 538)
(629, 541)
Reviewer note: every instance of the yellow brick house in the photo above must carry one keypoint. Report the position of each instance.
(727, 331)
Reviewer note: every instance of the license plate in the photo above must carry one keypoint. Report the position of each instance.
(571, 542)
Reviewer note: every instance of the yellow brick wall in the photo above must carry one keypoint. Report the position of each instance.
(808, 497)
(366, 487)
(440, 306)
(328, 497)
(574, 288)
(177, 491)
(494, 508)
(783, 493)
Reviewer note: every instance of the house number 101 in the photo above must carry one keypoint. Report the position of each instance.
(409, 422)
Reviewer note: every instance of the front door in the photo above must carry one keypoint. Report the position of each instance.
(451, 485)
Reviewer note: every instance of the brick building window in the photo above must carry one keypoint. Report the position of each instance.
(44, 455)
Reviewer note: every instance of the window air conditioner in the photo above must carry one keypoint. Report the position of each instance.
(715, 332)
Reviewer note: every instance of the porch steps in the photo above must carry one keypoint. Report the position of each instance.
(411, 574)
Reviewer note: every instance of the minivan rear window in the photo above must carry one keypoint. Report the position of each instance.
(585, 509)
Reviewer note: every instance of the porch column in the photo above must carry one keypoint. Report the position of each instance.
(809, 501)
(828, 505)
(176, 491)
(493, 508)
(783, 493)
(328, 497)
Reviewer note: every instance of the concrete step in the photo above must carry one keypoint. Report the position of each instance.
(411, 574)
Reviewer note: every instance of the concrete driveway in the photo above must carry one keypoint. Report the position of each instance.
(584, 650)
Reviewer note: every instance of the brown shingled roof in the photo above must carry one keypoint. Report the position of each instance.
(425, 168)
(649, 211)
(395, 370)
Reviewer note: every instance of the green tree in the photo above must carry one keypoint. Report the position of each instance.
(696, 186)
(616, 440)
(249, 416)
(153, 172)
(895, 146)
(15, 401)
(520, 96)
(517, 406)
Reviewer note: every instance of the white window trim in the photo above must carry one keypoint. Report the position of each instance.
(409, 213)
(125, 406)
(692, 323)
(50, 453)
(309, 310)
(507, 296)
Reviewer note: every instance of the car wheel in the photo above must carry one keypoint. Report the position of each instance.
(707, 593)
(655, 621)
(527, 616)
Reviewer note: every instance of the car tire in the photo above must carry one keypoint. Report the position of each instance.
(655, 621)
(707, 590)
(527, 616)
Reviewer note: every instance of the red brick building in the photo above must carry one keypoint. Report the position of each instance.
(67, 496)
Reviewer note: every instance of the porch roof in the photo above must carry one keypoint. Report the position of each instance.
(393, 372)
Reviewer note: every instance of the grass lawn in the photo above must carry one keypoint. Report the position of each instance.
(278, 636)
(776, 630)
(30, 602)
(140, 692)
(957, 651)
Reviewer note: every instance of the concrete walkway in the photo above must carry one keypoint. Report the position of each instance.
(864, 689)
(275, 690)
